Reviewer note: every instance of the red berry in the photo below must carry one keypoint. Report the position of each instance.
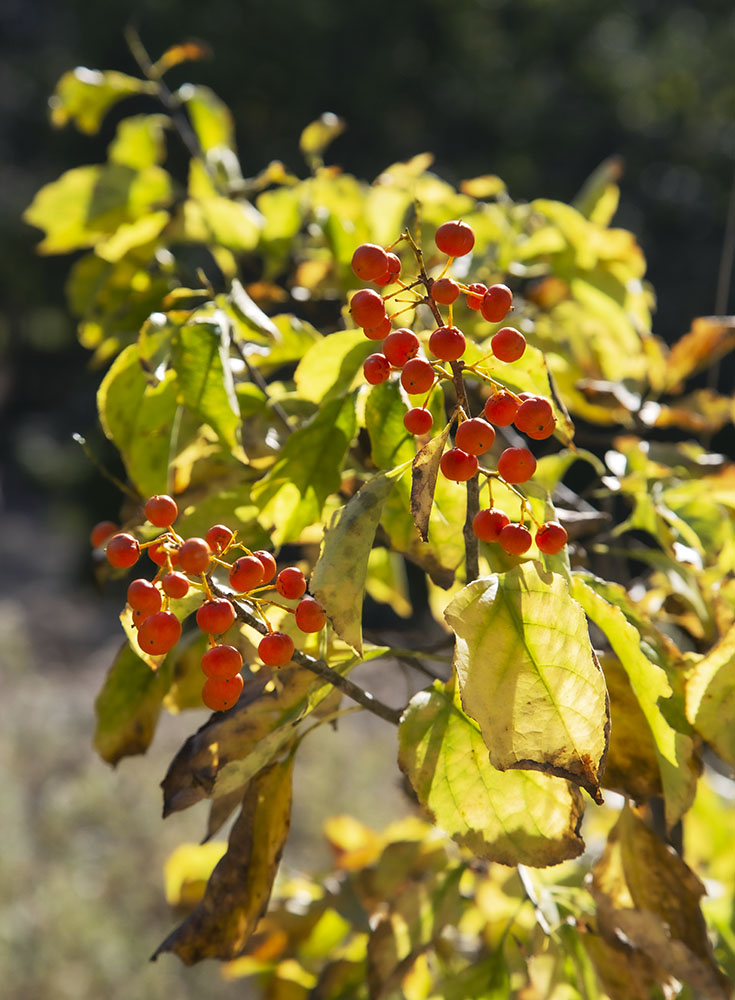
(215, 617)
(161, 510)
(101, 532)
(394, 264)
(445, 291)
(219, 537)
(417, 376)
(376, 369)
(515, 539)
(487, 524)
(268, 563)
(400, 346)
(246, 573)
(175, 585)
(535, 418)
(122, 550)
(508, 344)
(496, 302)
(447, 343)
(158, 554)
(418, 420)
(140, 616)
(551, 538)
(501, 408)
(159, 633)
(194, 556)
(380, 331)
(455, 238)
(475, 436)
(276, 649)
(310, 615)
(144, 596)
(385, 279)
(290, 583)
(516, 465)
(219, 694)
(458, 465)
(222, 662)
(369, 261)
(367, 308)
(476, 295)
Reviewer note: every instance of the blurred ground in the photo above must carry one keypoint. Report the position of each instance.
(81, 889)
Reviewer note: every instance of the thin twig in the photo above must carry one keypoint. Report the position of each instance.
(123, 487)
(186, 132)
(257, 379)
(318, 667)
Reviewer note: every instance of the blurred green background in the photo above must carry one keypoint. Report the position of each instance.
(537, 91)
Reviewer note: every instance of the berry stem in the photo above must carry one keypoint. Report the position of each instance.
(319, 667)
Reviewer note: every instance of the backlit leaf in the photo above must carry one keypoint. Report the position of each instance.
(187, 870)
(338, 580)
(291, 496)
(139, 141)
(318, 135)
(210, 117)
(138, 417)
(708, 340)
(528, 675)
(513, 817)
(84, 96)
(200, 356)
(330, 366)
(89, 203)
(128, 706)
(239, 888)
(710, 697)
(651, 686)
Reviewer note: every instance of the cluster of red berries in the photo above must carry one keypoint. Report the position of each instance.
(184, 564)
(531, 414)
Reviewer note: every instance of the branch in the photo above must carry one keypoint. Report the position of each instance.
(318, 667)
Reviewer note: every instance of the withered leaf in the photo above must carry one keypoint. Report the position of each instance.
(423, 481)
(239, 888)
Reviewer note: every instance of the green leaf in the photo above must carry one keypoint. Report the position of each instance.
(529, 677)
(331, 365)
(138, 417)
(210, 117)
(130, 235)
(318, 135)
(250, 315)
(200, 355)
(512, 817)
(89, 203)
(291, 496)
(338, 580)
(390, 442)
(710, 697)
(651, 686)
(84, 96)
(139, 141)
(226, 223)
(239, 888)
(128, 706)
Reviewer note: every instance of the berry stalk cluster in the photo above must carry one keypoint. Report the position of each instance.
(185, 565)
(421, 370)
